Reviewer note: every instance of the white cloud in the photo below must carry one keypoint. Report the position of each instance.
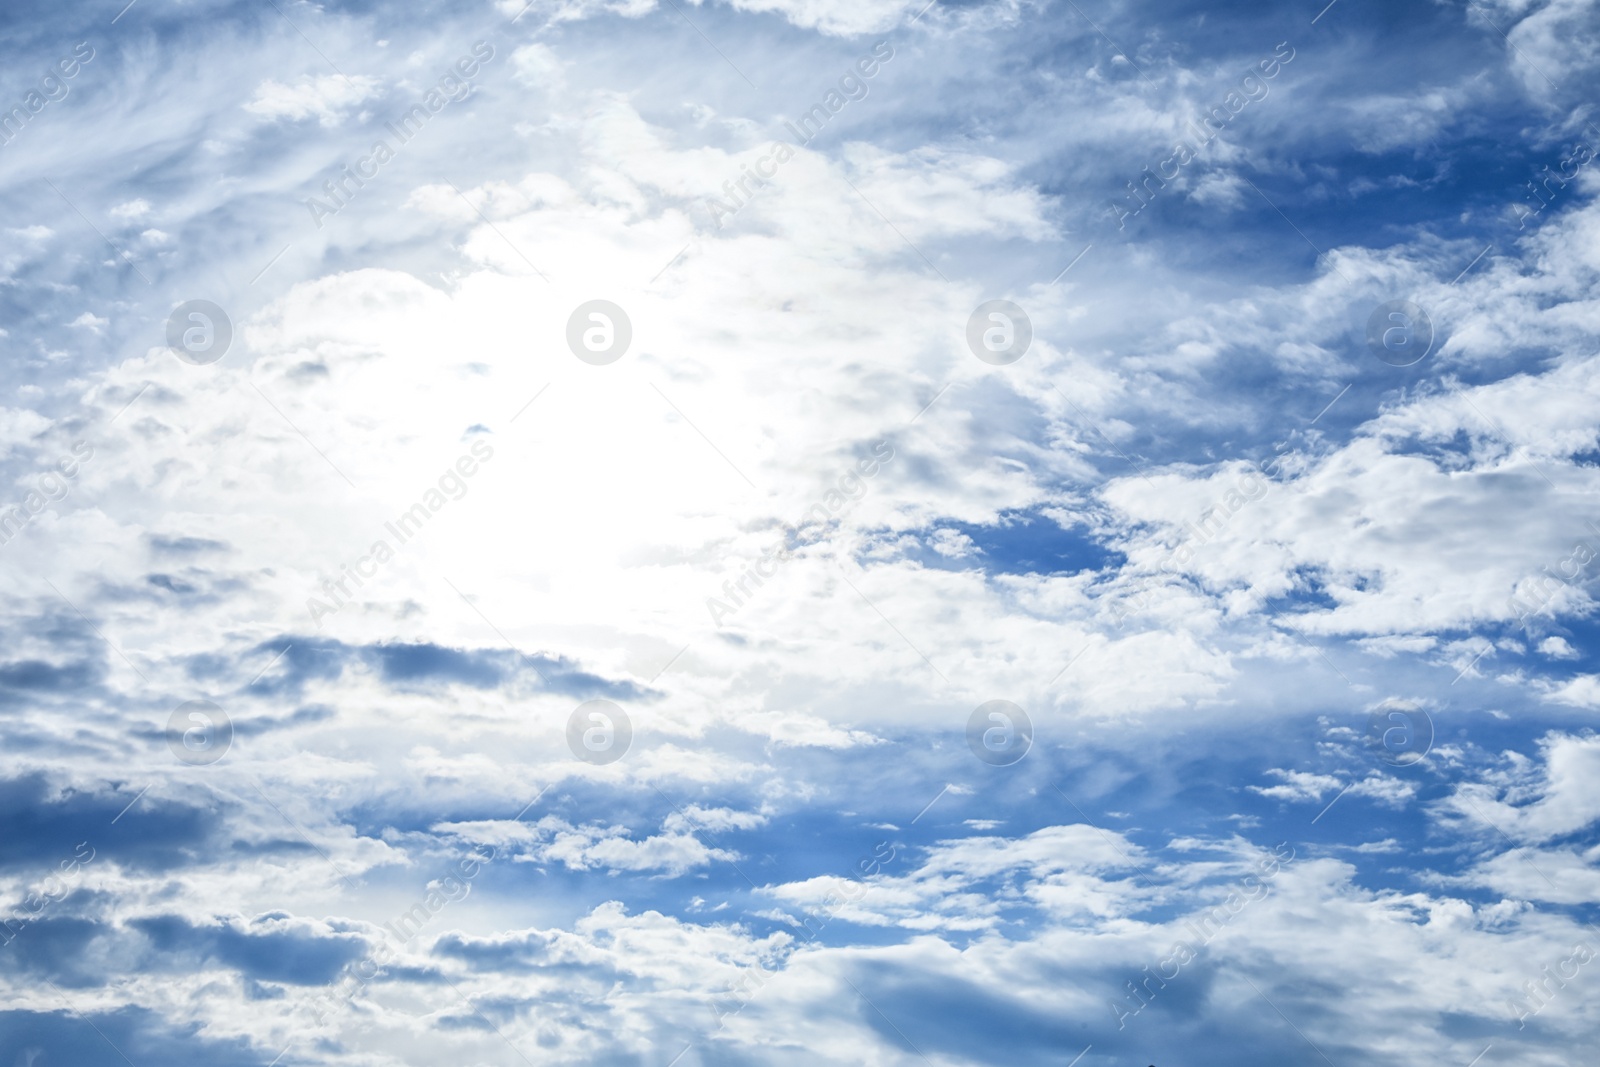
(952, 544)
(1218, 190)
(1538, 803)
(769, 358)
(1582, 691)
(131, 210)
(329, 97)
(538, 65)
(1557, 648)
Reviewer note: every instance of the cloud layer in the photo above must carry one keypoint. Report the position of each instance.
(516, 520)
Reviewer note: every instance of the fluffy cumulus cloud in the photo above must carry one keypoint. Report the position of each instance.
(786, 531)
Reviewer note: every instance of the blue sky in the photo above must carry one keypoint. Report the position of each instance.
(509, 552)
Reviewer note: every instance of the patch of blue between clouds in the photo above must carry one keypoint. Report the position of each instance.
(1021, 542)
